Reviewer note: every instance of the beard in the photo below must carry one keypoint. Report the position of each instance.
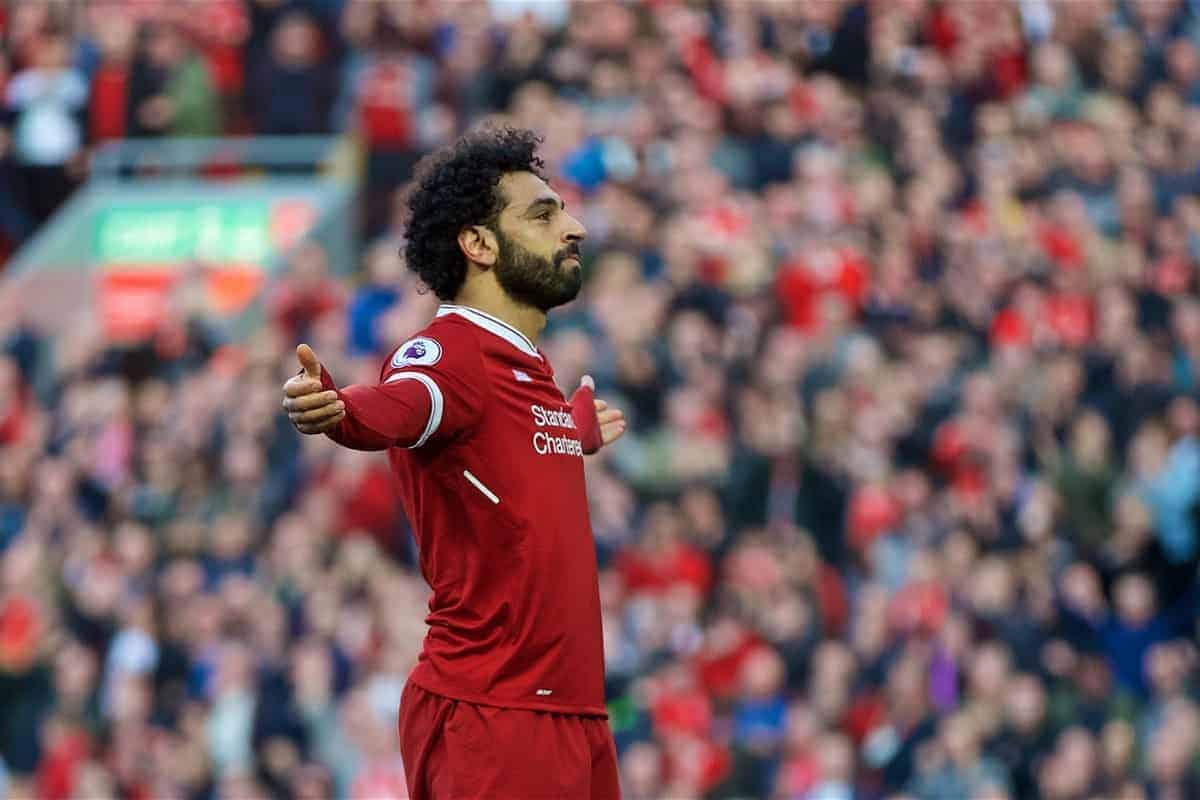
(534, 280)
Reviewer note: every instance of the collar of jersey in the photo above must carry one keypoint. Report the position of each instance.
(493, 325)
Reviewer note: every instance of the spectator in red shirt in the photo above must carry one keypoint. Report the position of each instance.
(306, 291)
(111, 81)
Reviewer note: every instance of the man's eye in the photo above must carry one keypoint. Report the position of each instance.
(545, 215)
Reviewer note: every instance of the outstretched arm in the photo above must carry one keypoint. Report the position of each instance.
(401, 412)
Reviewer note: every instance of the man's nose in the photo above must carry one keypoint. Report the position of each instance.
(575, 232)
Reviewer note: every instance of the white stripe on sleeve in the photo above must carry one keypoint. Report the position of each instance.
(435, 400)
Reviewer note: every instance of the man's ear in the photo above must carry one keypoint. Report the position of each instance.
(479, 245)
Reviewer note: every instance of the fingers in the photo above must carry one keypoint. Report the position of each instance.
(299, 385)
(308, 360)
(610, 415)
(307, 402)
(317, 414)
(610, 432)
(321, 427)
(612, 422)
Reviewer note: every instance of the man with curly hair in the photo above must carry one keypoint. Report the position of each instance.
(507, 699)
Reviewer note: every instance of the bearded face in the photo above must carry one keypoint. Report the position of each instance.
(537, 281)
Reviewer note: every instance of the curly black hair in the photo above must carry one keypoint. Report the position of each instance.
(458, 186)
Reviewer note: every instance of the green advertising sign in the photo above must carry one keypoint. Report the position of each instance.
(224, 232)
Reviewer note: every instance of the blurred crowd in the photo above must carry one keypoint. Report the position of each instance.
(901, 300)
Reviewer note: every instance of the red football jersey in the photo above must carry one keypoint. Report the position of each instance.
(489, 462)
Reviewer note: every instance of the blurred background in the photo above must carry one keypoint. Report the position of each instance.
(899, 296)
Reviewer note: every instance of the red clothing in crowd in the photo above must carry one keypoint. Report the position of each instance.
(62, 756)
(15, 419)
(720, 670)
(805, 282)
(371, 505)
(659, 571)
(385, 105)
(220, 27)
(110, 94)
(295, 306)
(1063, 318)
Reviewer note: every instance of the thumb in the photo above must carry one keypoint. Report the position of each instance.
(308, 360)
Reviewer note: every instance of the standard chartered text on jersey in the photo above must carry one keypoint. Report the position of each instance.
(544, 445)
(551, 418)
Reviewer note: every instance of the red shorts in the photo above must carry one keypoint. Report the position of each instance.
(454, 750)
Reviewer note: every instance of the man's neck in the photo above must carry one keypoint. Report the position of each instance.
(527, 319)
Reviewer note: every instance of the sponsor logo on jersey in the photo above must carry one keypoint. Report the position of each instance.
(551, 418)
(545, 444)
(522, 376)
(419, 352)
